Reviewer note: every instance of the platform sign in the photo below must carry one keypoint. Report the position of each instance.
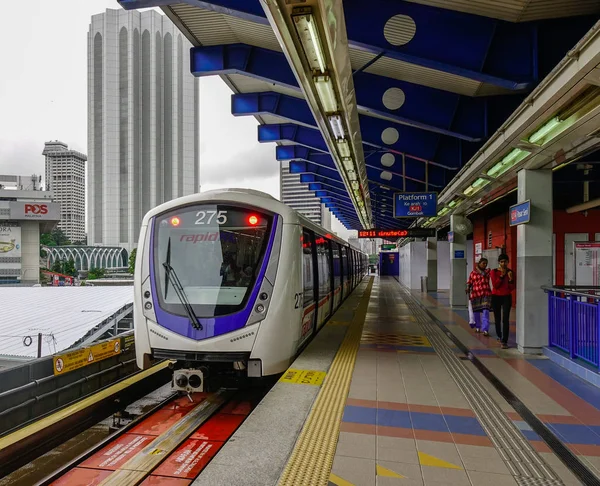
(63, 363)
(459, 254)
(415, 204)
(390, 246)
(520, 213)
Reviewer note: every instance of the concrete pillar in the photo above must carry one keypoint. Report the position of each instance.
(458, 265)
(534, 260)
(30, 252)
(432, 276)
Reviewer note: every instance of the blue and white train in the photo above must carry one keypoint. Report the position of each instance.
(235, 282)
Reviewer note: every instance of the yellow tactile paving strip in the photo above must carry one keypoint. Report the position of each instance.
(312, 457)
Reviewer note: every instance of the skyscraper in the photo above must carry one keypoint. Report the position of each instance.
(65, 176)
(143, 122)
(297, 195)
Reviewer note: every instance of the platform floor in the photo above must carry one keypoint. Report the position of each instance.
(418, 413)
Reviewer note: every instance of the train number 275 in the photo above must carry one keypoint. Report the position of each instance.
(299, 298)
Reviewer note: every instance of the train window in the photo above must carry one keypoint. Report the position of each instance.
(337, 271)
(213, 253)
(307, 268)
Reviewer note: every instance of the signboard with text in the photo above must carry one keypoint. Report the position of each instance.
(63, 363)
(520, 213)
(398, 233)
(34, 210)
(415, 204)
(587, 263)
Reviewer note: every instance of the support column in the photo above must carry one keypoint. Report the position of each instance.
(458, 265)
(534, 260)
(432, 264)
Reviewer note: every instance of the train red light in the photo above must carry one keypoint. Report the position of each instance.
(253, 220)
(175, 221)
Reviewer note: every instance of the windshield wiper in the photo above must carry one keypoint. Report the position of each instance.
(171, 275)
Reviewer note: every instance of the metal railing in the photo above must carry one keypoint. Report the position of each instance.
(574, 321)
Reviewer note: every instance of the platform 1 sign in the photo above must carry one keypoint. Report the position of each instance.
(415, 204)
(63, 363)
(520, 213)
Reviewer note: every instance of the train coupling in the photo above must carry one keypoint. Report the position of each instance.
(188, 381)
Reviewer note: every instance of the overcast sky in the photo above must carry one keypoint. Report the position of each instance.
(43, 96)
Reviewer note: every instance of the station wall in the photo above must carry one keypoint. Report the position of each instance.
(496, 232)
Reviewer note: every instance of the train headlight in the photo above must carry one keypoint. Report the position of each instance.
(260, 308)
(148, 305)
(264, 296)
(181, 381)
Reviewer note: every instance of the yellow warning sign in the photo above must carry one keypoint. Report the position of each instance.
(303, 377)
(63, 363)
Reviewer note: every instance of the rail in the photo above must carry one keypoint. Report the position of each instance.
(574, 322)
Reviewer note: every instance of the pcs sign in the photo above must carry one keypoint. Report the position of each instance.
(45, 211)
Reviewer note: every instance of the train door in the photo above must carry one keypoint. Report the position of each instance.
(345, 276)
(352, 272)
(323, 263)
(337, 274)
(309, 281)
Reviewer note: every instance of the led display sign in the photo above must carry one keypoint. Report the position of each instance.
(398, 233)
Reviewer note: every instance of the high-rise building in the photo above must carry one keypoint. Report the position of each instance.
(65, 177)
(297, 195)
(143, 122)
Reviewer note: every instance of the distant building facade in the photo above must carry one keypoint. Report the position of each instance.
(143, 122)
(297, 195)
(65, 177)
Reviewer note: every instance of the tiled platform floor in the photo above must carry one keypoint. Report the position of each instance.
(406, 422)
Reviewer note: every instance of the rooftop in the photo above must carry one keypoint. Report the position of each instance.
(62, 314)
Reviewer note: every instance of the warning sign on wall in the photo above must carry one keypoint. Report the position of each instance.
(63, 363)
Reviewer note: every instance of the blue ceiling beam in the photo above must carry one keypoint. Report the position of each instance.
(416, 145)
(424, 108)
(381, 219)
(290, 132)
(415, 174)
(445, 40)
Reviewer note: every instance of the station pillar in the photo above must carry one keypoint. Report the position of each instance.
(458, 264)
(534, 260)
(432, 273)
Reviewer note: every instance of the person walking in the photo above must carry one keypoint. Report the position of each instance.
(503, 280)
(480, 296)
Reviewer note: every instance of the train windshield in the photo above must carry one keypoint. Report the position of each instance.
(214, 254)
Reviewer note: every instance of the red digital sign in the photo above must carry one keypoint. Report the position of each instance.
(398, 233)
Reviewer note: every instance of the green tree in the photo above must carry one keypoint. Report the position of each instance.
(69, 268)
(132, 256)
(57, 266)
(46, 239)
(59, 237)
(95, 273)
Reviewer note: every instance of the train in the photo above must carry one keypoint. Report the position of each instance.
(234, 283)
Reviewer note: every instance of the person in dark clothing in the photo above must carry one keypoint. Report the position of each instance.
(503, 280)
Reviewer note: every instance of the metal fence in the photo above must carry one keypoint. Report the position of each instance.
(574, 321)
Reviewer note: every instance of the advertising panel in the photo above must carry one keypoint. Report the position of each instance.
(10, 240)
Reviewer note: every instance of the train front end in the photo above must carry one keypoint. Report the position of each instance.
(204, 279)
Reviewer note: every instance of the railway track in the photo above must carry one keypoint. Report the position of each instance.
(170, 445)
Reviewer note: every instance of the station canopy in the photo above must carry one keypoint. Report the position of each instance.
(369, 98)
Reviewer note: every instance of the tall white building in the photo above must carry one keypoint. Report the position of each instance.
(143, 122)
(65, 177)
(297, 195)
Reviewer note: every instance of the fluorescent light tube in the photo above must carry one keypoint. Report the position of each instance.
(326, 93)
(309, 37)
(344, 148)
(336, 125)
(476, 186)
(509, 161)
(541, 133)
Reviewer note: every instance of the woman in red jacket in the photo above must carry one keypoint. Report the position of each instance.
(503, 280)
(480, 296)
